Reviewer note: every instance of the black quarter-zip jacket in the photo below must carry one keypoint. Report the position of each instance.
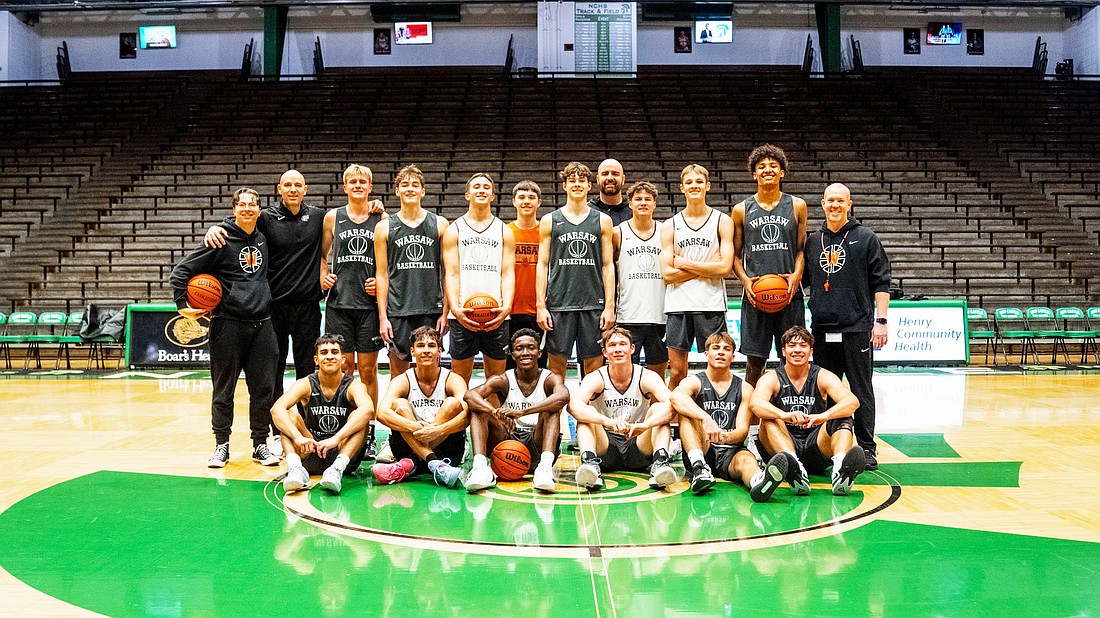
(861, 269)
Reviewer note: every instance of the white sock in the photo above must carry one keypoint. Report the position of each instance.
(547, 459)
(480, 461)
(293, 461)
(341, 462)
(695, 456)
(837, 460)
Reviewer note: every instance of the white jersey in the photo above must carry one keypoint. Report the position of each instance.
(630, 405)
(700, 245)
(517, 401)
(641, 287)
(425, 406)
(479, 258)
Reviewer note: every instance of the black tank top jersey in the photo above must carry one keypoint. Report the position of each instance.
(575, 280)
(414, 268)
(770, 237)
(721, 408)
(352, 261)
(808, 401)
(325, 417)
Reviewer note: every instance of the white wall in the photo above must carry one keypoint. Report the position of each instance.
(20, 51)
(1082, 43)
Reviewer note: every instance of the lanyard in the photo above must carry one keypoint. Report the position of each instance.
(832, 256)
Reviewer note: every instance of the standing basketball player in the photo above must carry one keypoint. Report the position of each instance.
(423, 407)
(769, 232)
(407, 251)
(241, 335)
(696, 255)
(575, 288)
(792, 404)
(530, 411)
(610, 180)
(714, 421)
(848, 275)
(623, 415)
(526, 197)
(351, 310)
(479, 257)
(641, 305)
(328, 435)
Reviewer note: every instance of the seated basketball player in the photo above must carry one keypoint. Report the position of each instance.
(530, 412)
(623, 415)
(423, 407)
(714, 420)
(792, 403)
(330, 432)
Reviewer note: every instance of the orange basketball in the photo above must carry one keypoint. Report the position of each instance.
(771, 293)
(204, 292)
(510, 460)
(479, 308)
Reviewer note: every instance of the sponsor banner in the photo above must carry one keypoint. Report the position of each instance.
(158, 336)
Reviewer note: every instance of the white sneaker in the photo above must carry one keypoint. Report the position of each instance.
(588, 475)
(332, 480)
(544, 478)
(481, 477)
(385, 455)
(296, 479)
(277, 446)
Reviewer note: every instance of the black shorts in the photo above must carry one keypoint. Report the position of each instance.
(760, 331)
(466, 343)
(403, 328)
(683, 329)
(358, 327)
(515, 323)
(719, 459)
(805, 448)
(527, 437)
(651, 338)
(316, 465)
(623, 454)
(581, 327)
(451, 448)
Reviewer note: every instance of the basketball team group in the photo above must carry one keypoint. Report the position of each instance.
(598, 278)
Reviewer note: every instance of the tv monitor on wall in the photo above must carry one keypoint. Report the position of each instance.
(714, 30)
(412, 32)
(944, 34)
(157, 37)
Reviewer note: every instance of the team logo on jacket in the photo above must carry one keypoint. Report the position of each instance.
(832, 259)
(251, 259)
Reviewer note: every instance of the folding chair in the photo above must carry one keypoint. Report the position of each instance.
(20, 326)
(47, 330)
(981, 330)
(1043, 324)
(1011, 329)
(69, 338)
(1076, 326)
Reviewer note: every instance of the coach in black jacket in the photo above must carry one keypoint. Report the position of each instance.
(848, 273)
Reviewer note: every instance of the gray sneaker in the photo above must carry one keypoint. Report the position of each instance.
(332, 480)
(588, 475)
(296, 479)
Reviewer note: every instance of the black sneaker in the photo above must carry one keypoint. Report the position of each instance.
(871, 461)
(797, 476)
(853, 463)
(769, 479)
(263, 456)
(220, 456)
(702, 479)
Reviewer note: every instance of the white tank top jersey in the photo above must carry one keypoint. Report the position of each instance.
(479, 257)
(425, 406)
(641, 287)
(699, 245)
(516, 400)
(630, 405)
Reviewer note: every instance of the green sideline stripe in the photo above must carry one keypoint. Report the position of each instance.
(919, 444)
(949, 474)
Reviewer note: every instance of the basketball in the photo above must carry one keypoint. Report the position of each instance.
(204, 292)
(510, 460)
(479, 308)
(771, 293)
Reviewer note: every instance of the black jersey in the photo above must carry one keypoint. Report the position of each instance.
(722, 408)
(770, 244)
(324, 417)
(575, 280)
(352, 261)
(414, 268)
(807, 401)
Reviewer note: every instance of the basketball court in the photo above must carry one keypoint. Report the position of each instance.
(986, 503)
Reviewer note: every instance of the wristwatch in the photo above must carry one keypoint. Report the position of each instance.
(880, 320)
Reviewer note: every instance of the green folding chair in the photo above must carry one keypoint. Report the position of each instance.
(1012, 329)
(47, 331)
(982, 331)
(20, 326)
(69, 338)
(1076, 326)
(1044, 325)
(5, 347)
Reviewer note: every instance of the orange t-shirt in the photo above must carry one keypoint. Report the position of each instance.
(527, 262)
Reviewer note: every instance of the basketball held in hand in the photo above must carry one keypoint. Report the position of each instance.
(204, 292)
(479, 308)
(771, 293)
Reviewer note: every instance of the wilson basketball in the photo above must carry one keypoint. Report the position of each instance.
(479, 308)
(204, 292)
(771, 293)
(510, 460)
